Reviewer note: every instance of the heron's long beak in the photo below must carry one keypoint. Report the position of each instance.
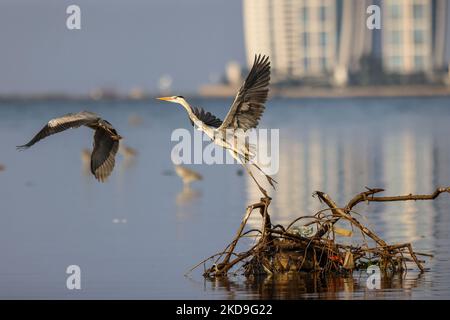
(165, 98)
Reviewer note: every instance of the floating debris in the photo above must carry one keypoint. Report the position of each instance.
(303, 231)
(279, 250)
(2, 167)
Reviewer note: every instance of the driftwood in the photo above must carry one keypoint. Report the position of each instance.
(279, 249)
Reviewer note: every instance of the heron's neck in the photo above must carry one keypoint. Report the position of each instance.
(189, 110)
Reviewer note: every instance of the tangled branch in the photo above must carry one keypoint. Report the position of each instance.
(280, 249)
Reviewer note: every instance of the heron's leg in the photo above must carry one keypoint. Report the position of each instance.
(247, 159)
(238, 158)
(269, 178)
(264, 192)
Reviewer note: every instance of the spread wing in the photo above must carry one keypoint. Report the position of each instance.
(103, 154)
(71, 120)
(248, 106)
(206, 117)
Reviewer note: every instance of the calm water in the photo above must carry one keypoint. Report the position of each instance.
(136, 235)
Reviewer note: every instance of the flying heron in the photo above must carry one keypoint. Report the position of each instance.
(244, 114)
(106, 139)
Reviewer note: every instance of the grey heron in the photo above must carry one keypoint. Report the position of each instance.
(106, 139)
(245, 113)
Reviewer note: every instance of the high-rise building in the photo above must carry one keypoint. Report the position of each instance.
(355, 40)
(316, 52)
(407, 35)
(440, 28)
(299, 35)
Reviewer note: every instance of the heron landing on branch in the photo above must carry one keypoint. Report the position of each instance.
(244, 114)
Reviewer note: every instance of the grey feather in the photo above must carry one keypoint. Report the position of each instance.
(248, 106)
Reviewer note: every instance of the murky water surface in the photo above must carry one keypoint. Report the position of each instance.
(136, 235)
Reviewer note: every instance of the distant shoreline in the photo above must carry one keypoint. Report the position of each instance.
(222, 91)
(225, 91)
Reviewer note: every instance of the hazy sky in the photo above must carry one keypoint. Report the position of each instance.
(122, 44)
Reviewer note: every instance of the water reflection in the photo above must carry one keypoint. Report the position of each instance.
(187, 195)
(400, 159)
(313, 285)
(400, 153)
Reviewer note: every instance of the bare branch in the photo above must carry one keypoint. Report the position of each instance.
(365, 196)
(279, 249)
(368, 196)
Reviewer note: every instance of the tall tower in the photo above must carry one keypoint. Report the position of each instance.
(299, 35)
(440, 33)
(355, 39)
(316, 52)
(258, 28)
(316, 38)
(407, 36)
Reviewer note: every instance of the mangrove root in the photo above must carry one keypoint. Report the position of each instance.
(278, 249)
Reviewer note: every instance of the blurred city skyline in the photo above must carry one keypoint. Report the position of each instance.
(136, 48)
(329, 42)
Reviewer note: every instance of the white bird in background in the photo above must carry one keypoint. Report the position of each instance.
(135, 120)
(127, 152)
(187, 175)
(187, 195)
(244, 114)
